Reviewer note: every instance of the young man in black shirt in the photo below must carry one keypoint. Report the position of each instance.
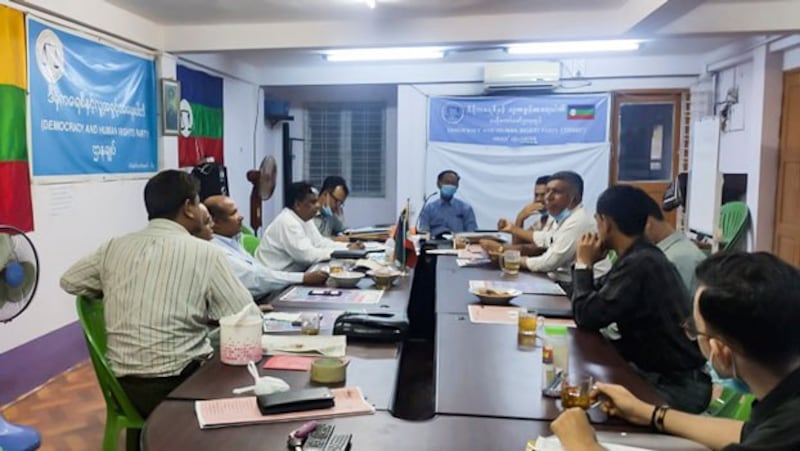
(746, 312)
(642, 302)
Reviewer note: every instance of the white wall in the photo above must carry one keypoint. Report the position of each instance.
(359, 211)
(750, 143)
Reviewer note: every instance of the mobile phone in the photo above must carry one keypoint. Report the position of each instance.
(325, 292)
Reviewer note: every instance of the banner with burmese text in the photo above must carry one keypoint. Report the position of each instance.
(15, 188)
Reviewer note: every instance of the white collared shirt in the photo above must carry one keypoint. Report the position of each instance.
(257, 278)
(561, 241)
(291, 244)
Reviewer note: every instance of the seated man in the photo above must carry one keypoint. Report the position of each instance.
(644, 296)
(258, 279)
(160, 286)
(447, 214)
(330, 218)
(292, 242)
(518, 231)
(553, 248)
(744, 320)
(678, 248)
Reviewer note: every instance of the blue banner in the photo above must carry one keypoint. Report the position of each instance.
(93, 107)
(519, 121)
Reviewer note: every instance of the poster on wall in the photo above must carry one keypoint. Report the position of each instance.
(201, 120)
(93, 107)
(545, 120)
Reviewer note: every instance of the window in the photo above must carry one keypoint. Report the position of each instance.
(645, 142)
(349, 140)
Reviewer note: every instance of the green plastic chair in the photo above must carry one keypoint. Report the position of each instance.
(120, 413)
(250, 243)
(732, 404)
(733, 221)
(247, 231)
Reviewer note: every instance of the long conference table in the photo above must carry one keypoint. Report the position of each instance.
(487, 392)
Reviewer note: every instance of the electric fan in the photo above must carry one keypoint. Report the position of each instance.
(19, 272)
(19, 277)
(263, 181)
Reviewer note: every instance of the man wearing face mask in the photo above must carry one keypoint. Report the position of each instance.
(644, 296)
(447, 214)
(744, 319)
(330, 219)
(537, 208)
(554, 246)
(257, 278)
(292, 242)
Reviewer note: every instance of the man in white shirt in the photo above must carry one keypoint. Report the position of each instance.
(518, 231)
(292, 242)
(259, 280)
(554, 247)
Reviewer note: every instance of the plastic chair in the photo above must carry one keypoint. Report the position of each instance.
(732, 404)
(120, 413)
(17, 437)
(250, 243)
(733, 221)
(247, 231)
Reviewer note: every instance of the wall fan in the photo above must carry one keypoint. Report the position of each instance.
(263, 181)
(19, 278)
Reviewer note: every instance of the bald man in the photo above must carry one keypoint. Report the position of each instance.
(260, 280)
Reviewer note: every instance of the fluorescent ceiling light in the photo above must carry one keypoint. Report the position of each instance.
(370, 4)
(384, 54)
(542, 48)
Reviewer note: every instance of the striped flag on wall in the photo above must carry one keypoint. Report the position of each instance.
(15, 185)
(201, 117)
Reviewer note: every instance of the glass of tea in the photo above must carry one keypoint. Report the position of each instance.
(576, 391)
(527, 325)
(510, 261)
(310, 323)
(459, 242)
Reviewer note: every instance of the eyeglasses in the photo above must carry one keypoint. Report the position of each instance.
(690, 329)
(339, 203)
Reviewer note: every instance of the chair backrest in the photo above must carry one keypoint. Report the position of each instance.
(733, 221)
(731, 404)
(250, 243)
(92, 319)
(247, 230)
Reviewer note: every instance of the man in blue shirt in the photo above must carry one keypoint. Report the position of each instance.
(257, 278)
(447, 214)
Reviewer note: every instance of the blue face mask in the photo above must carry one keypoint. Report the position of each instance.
(326, 211)
(732, 383)
(448, 191)
(562, 216)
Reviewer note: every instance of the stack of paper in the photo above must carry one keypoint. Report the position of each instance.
(493, 314)
(216, 413)
(552, 443)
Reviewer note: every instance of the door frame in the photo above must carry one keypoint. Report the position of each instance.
(781, 160)
(648, 95)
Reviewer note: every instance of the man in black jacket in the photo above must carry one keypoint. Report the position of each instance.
(641, 304)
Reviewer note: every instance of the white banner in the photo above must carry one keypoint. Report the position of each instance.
(498, 181)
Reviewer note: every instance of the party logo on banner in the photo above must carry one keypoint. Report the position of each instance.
(93, 107)
(519, 121)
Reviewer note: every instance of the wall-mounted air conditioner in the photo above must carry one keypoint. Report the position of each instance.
(522, 76)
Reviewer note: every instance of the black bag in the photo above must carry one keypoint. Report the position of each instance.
(383, 326)
(213, 179)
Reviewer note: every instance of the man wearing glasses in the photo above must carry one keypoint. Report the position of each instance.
(330, 219)
(744, 320)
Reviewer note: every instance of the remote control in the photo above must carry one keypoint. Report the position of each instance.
(339, 442)
(317, 439)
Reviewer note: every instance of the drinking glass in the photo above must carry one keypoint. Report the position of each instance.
(510, 261)
(576, 391)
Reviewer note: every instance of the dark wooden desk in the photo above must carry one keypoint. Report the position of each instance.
(373, 367)
(480, 371)
(173, 426)
(453, 296)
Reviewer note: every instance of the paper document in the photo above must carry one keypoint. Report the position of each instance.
(292, 362)
(442, 252)
(347, 296)
(530, 285)
(466, 263)
(552, 443)
(327, 345)
(493, 314)
(216, 413)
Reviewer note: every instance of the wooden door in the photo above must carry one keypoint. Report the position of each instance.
(644, 146)
(786, 243)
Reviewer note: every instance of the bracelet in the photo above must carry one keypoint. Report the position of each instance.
(660, 419)
(653, 418)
